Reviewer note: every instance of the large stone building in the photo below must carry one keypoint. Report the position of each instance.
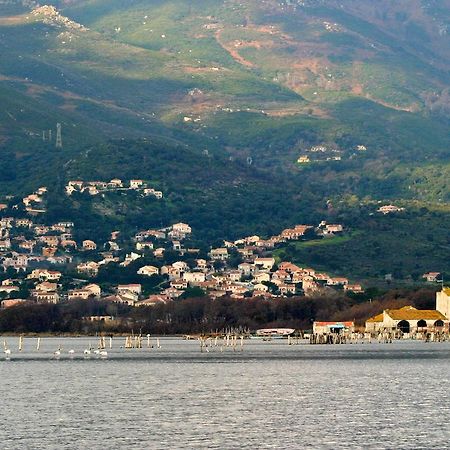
(410, 320)
(443, 302)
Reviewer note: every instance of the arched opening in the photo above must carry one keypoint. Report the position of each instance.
(422, 324)
(403, 326)
(439, 324)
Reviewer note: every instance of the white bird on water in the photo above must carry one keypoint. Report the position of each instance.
(87, 352)
(71, 352)
(7, 352)
(103, 353)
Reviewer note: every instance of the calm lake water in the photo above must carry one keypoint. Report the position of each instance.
(269, 396)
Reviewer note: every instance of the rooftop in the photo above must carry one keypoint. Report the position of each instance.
(377, 318)
(411, 313)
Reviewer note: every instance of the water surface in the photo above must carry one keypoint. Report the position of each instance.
(268, 396)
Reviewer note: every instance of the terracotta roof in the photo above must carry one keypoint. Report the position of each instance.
(411, 313)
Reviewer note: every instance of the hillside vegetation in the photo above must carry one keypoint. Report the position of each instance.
(214, 101)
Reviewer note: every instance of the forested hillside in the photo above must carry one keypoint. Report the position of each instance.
(215, 101)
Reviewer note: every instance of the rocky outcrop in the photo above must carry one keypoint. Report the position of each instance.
(51, 16)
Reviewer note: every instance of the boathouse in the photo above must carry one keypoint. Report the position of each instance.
(408, 320)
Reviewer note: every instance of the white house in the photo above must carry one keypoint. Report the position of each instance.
(144, 245)
(181, 265)
(260, 277)
(182, 228)
(194, 277)
(219, 254)
(247, 269)
(89, 245)
(136, 184)
(265, 263)
(136, 288)
(148, 271)
(94, 289)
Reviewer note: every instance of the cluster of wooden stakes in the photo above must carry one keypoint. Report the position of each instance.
(229, 341)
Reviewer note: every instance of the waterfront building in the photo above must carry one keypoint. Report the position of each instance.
(443, 301)
(408, 320)
(333, 327)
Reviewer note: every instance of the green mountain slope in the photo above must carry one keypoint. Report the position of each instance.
(214, 101)
(141, 66)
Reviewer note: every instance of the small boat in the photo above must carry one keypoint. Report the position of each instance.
(273, 333)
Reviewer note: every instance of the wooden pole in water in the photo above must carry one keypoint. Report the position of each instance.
(20, 343)
(148, 340)
(242, 343)
(158, 344)
(38, 345)
(110, 342)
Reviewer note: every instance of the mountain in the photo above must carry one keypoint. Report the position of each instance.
(216, 100)
(138, 62)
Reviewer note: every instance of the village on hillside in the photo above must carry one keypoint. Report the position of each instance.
(45, 264)
(116, 184)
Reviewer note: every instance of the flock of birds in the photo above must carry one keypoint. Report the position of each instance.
(100, 352)
(57, 353)
(87, 352)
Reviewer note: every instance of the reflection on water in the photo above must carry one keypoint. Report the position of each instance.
(270, 395)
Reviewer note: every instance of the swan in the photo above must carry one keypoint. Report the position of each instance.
(87, 352)
(8, 352)
(71, 352)
(104, 353)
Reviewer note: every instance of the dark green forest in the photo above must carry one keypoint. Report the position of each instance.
(204, 315)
